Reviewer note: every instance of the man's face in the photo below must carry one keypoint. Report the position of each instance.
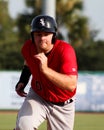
(43, 41)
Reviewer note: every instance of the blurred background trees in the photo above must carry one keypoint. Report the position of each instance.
(9, 47)
(73, 27)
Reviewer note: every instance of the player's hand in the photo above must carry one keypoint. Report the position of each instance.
(43, 61)
(20, 89)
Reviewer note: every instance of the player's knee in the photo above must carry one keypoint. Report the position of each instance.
(24, 124)
(20, 129)
(16, 129)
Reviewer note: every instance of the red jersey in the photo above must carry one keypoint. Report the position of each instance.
(62, 59)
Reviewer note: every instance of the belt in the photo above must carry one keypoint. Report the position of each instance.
(62, 103)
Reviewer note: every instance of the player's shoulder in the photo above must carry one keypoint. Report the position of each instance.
(28, 42)
(64, 45)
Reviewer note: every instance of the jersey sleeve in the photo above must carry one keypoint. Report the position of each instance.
(69, 61)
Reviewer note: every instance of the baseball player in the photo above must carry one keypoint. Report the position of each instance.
(52, 65)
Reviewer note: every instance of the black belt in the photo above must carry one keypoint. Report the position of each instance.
(62, 103)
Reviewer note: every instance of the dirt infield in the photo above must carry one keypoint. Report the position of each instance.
(9, 111)
(77, 112)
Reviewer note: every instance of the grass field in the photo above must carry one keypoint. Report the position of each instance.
(83, 121)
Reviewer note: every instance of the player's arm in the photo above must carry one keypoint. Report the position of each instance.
(24, 78)
(67, 82)
(63, 81)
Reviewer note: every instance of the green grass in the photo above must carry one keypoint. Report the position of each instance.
(7, 120)
(89, 121)
(83, 121)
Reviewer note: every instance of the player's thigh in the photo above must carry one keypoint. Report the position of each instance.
(62, 118)
(32, 112)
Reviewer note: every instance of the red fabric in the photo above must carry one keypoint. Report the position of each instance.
(62, 59)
